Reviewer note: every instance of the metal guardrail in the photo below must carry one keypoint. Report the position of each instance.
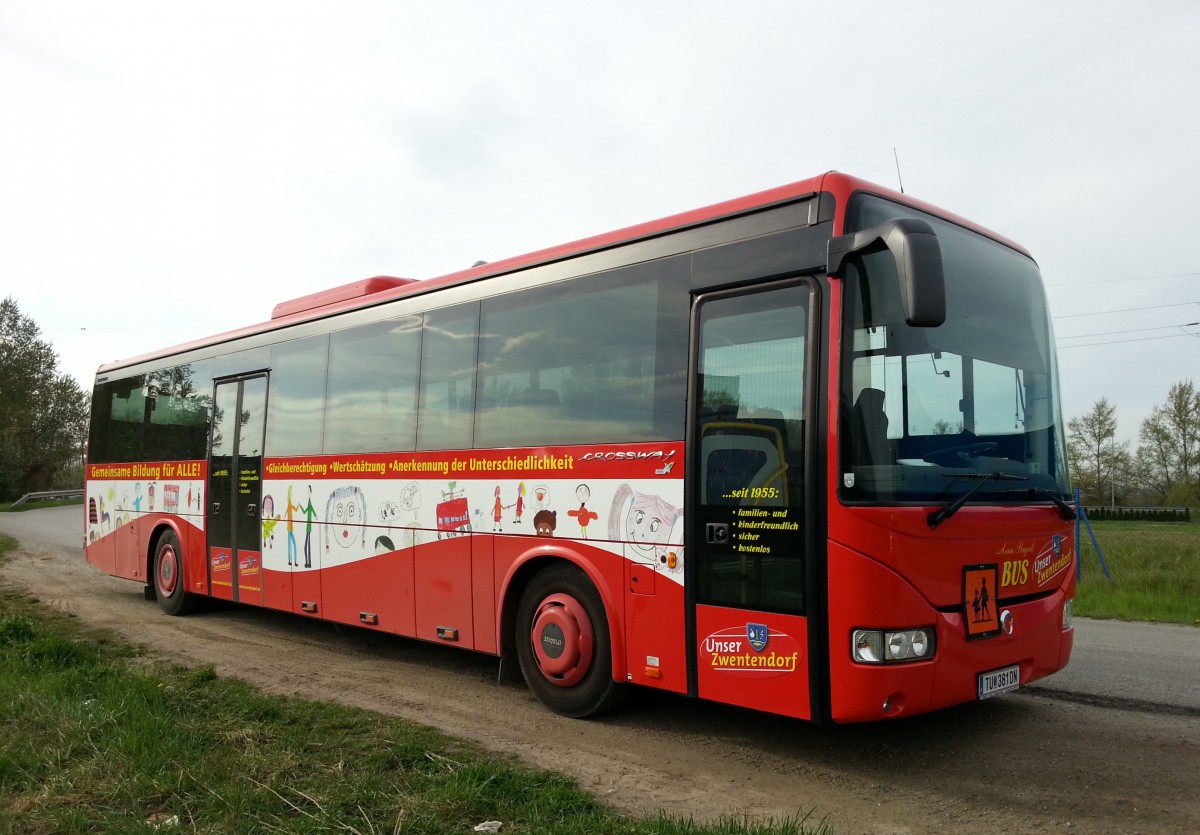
(49, 494)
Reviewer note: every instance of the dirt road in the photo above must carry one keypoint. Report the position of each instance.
(1021, 763)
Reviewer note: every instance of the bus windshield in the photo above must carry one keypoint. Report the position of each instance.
(930, 413)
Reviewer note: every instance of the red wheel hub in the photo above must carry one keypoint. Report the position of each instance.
(562, 639)
(168, 570)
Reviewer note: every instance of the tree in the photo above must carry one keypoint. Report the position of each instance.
(1169, 455)
(43, 413)
(1098, 462)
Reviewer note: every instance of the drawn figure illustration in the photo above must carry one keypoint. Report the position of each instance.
(453, 513)
(389, 517)
(544, 522)
(345, 517)
(583, 516)
(519, 504)
(290, 519)
(269, 520)
(137, 497)
(541, 497)
(150, 493)
(93, 521)
(645, 524)
(498, 509)
(389, 514)
(170, 498)
(409, 505)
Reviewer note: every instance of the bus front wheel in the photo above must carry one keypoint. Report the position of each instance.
(169, 585)
(563, 644)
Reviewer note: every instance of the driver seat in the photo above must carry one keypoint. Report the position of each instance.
(869, 426)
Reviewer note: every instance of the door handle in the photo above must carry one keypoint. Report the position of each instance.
(216, 508)
(251, 510)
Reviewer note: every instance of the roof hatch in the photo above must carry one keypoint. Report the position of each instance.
(342, 293)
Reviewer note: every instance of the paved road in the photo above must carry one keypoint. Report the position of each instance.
(1155, 665)
(1142, 665)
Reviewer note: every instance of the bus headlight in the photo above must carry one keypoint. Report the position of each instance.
(1068, 613)
(878, 646)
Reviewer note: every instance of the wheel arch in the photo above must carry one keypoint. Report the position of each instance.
(530, 563)
(161, 527)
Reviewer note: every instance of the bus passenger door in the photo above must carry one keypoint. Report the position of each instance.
(235, 489)
(748, 522)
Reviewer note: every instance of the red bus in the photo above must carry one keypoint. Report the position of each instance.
(800, 452)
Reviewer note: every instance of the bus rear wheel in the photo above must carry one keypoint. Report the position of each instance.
(563, 644)
(169, 583)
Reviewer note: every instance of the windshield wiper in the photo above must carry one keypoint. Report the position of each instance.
(940, 515)
(1066, 511)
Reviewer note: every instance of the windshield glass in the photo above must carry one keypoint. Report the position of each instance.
(925, 412)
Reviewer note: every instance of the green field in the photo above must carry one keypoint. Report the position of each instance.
(35, 505)
(1155, 568)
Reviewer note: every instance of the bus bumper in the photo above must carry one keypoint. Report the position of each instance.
(1038, 645)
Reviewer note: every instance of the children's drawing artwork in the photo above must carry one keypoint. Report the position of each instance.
(647, 525)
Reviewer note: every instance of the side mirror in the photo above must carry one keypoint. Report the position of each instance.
(914, 248)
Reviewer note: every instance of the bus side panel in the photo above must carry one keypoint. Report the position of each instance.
(376, 592)
(483, 593)
(100, 545)
(306, 590)
(656, 647)
(195, 571)
(129, 551)
(102, 554)
(753, 659)
(443, 583)
(277, 588)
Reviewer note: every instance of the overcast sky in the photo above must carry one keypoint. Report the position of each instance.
(171, 170)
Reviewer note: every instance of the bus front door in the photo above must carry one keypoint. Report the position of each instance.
(235, 462)
(748, 523)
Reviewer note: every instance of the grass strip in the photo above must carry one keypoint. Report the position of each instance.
(1155, 570)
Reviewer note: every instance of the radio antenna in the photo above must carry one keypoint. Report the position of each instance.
(898, 177)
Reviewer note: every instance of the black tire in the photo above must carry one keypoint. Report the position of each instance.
(563, 644)
(169, 582)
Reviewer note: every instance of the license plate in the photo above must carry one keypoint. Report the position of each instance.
(999, 681)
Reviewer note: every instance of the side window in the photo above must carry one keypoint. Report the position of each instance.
(372, 398)
(180, 402)
(447, 398)
(161, 416)
(592, 360)
(296, 399)
(118, 417)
